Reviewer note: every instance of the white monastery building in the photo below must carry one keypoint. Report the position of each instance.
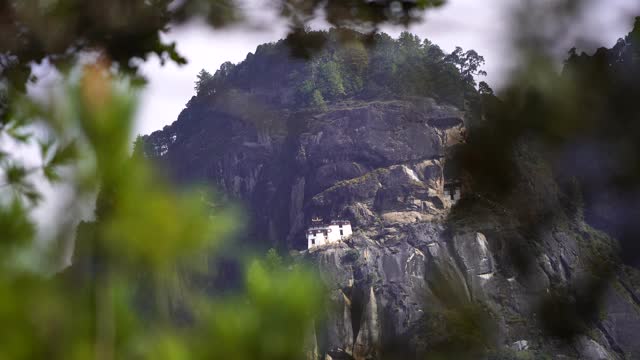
(321, 233)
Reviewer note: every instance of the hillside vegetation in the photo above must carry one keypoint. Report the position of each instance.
(346, 65)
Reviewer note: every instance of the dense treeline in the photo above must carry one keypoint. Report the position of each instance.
(351, 65)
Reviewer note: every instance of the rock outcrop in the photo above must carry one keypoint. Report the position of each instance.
(350, 161)
(384, 285)
(415, 256)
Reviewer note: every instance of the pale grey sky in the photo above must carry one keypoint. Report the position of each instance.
(482, 25)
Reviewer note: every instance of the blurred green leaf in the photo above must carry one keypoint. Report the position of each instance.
(19, 135)
(51, 173)
(32, 195)
(15, 226)
(15, 174)
(45, 147)
(64, 155)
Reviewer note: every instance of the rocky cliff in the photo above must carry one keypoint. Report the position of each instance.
(398, 289)
(351, 161)
(381, 165)
(421, 276)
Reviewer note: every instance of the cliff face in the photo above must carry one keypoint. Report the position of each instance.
(352, 161)
(389, 289)
(415, 260)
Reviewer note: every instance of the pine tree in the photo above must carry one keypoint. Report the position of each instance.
(203, 80)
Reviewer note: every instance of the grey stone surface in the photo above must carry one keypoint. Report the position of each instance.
(381, 165)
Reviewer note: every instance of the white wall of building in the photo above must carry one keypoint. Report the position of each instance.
(327, 234)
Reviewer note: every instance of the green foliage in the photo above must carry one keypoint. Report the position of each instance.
(330, 80)
(126, 30)
(468, 63)
(271, 322)
(352, 65)
(134, 267)
(272, 260)
(203, 77)
(318, 100)
(138, 147)
(355, 60)
(484, 89)
(15, 228)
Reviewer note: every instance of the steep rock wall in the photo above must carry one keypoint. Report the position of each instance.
(286, 173)
(381, 165)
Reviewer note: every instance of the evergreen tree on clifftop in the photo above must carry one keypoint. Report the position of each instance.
(351, 65)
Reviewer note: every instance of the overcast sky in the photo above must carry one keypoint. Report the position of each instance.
(482, 25)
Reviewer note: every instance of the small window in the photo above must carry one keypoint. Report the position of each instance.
(341, 226)
(313, 241)
(341, 232)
